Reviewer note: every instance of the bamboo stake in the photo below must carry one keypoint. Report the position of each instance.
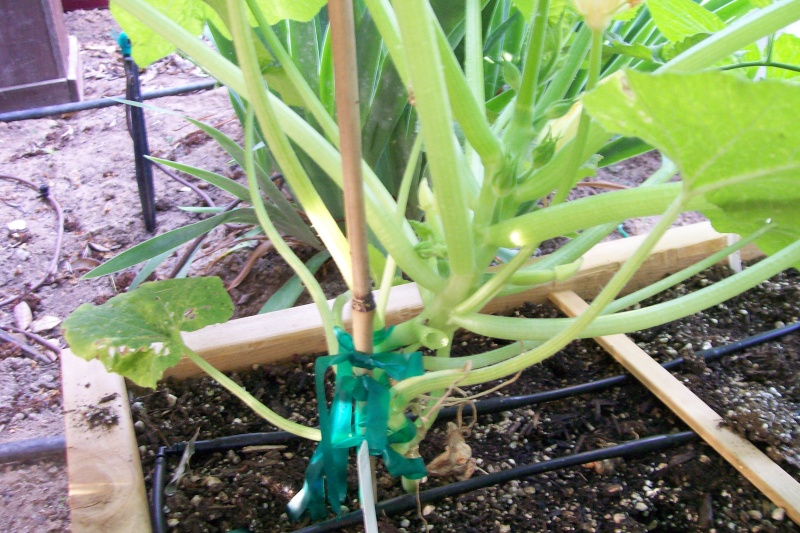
(346, 80)
(347, 107)
(760, 470)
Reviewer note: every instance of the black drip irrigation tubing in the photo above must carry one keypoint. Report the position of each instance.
(98, 103)
(483, 407)
(408, 502)
(25, 450)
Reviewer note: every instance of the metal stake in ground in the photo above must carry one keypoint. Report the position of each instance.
(346, 80)
(138, 131)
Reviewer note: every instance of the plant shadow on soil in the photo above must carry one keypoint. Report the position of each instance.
(757, 391)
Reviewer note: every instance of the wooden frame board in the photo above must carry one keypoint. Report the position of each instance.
(752, 463)
(276, 337)
(106, 486)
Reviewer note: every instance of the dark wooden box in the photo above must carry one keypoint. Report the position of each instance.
(40, 64)
(71, 5)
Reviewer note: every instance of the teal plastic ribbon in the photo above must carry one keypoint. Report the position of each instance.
(359, 412)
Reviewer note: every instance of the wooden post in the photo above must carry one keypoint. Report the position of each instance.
(41, 65)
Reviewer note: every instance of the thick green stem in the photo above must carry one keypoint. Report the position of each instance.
(248, 399)
(578, 146)
(433, 108)
(627, 321)
(310, 100)
(587, 212)
(411, 388)
(468, 110)
(474, 52)
(520, 132)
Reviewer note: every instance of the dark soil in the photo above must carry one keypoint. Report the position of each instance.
(689, 488)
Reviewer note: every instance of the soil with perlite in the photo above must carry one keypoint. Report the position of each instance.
(689, 488)
(86, 161)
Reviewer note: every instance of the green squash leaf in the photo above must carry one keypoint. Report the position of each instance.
(674, 49)
(137, 334)
(192, 15)
(148, 46)
(301, 10)
(785, 50)
(734, 140)
(679, 19)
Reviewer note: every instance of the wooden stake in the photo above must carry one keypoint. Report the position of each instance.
(760, 470)
(346, 81)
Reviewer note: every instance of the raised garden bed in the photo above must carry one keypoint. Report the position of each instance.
(107, 492)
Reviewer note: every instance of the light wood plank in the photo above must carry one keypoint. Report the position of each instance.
(106, 486)
(768, 477)
(276, 337)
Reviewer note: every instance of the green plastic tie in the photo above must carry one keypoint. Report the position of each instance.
(359, 412)
(124, 44)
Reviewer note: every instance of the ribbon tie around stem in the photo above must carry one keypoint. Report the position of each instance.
(359, 412)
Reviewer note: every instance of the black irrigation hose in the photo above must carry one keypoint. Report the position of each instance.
(498, 405)
(221, 444)
(483, 407)
(25, 450)
(41, 112)
(408, 502)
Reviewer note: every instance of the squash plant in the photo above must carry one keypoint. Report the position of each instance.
(505, 138)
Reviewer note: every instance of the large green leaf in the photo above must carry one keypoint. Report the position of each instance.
(192, 16)
(138, 334)
(735, 141)
(679, 19)
(785, 50)
(148, 46)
